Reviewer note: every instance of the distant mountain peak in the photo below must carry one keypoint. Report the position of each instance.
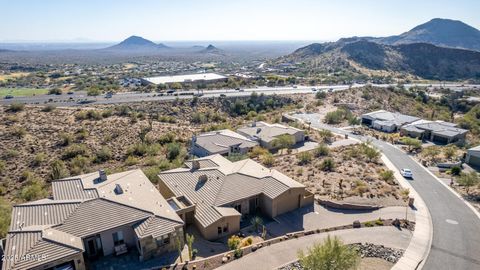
(439, 32)
(137, 43)
(212, 50)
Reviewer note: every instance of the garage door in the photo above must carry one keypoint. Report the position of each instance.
(474, 161)
(438, 139)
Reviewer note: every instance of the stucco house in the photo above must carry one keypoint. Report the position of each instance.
(473, 156)
(90, 216)
(387, 121)
(266, 133)
(436, 131)
(226, 192)
(224, 142)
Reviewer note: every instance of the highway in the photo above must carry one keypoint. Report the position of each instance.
(456, 227)
(80, 98)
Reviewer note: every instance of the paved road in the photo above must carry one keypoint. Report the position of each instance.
(77, 98)
(282, 253)
(456, 228)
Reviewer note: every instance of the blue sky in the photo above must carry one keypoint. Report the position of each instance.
(160, 20)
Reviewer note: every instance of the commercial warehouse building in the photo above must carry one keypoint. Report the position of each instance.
(226, 192)
(187, 78)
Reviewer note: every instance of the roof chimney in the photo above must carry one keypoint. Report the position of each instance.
(202, 178)
(118, 189)
(195, 165)
(102, 175)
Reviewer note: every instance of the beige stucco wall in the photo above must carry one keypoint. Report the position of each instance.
(107, 239)
(211, 232)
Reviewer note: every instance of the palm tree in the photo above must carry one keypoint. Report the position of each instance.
(190, 238)
(256, 222)
(332, 254)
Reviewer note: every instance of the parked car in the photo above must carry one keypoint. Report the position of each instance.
(407, 173)
(70, 93)
(314, 89)
(330, 90)
(8, 97)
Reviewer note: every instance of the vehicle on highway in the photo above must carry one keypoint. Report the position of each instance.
(330, 90)
(407, 173)
(109, 95)
(314, 89)
(238, 88)
(8, 97)
(241, 90)
(223, 95)
(171, 91)
(294, 86)
(70, 93)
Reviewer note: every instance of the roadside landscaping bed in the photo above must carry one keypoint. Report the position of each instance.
(348, 174)
(216, 261)
(376, 257)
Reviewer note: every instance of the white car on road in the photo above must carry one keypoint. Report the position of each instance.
(407, 173)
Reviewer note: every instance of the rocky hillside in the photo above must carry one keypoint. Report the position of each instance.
(362, 56)
(439, 32)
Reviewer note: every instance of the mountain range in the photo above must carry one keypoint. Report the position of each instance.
(426, 51)
(138, 44)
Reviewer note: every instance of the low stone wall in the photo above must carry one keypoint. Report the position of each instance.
(216, 261)
(348, 206)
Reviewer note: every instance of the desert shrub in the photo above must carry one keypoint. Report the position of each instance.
(138, 149)
(3, 164)
(39, 159)
(103, 155)
(80, 164)
(93, 91)
(75, 150)
(387, 175)
(166, 119)
(234, 242)
(173, 150)
(18, 132)
(238, 253)
(166, 138)
(48, 108)
(131, 160)
(123, 110)
(456, 170)
(11, 153)
(320, 95)
(5, 214)
(379, 222)
(257, 151)
(368, 224)
(94, 115)
(268, 159)
(152, 173)
(107, 113)
(304, 157)
(153, 149)
(55, 91)
(58, 170)
(81, 134)
(34, 190)
(321, 150)
(16, 107)
(325, 135)
(65, 139)
(198, 118)
(327, 165)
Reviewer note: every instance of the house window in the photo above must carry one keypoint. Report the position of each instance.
(164, 240)
(219, 230)
(118, 238)
(225, 228)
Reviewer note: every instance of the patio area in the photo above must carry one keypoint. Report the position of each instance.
(130, 261)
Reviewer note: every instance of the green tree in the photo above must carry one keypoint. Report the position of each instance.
(256, 221)
(321, 150)
(234, 242)
(173, 151)
(468, 180)
(58, 170)
(190, 239)
(332, 254)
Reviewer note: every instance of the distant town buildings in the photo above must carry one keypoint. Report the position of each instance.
(187, 78)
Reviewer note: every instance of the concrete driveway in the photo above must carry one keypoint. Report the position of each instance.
(279, 254)
(456, 227)
(319, 217)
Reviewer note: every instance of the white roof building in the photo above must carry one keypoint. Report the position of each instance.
(185, 78)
